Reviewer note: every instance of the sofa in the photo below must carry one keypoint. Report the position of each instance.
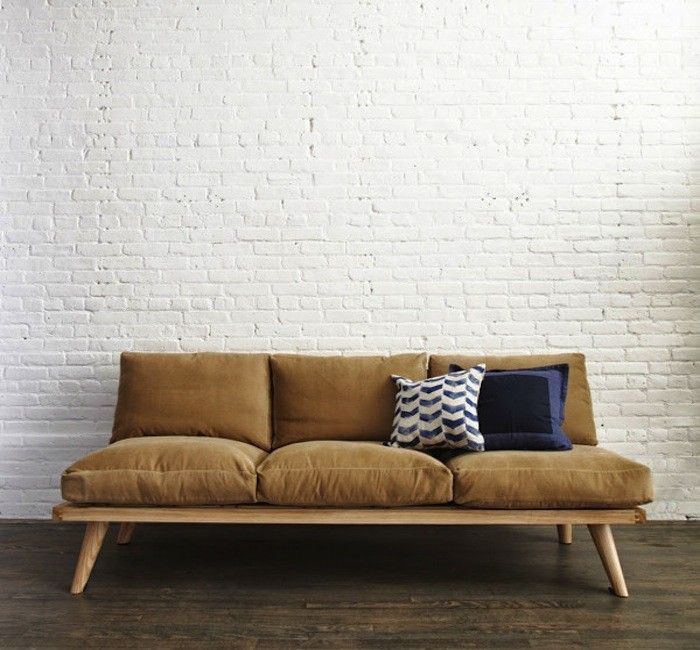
(290, 438)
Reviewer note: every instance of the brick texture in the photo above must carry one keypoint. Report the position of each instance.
(346, 176)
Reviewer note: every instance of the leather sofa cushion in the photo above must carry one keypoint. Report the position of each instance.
(165, 471)
(222, 395)
(340, 473)
(584, 477)
(338, 398)
(578, 425)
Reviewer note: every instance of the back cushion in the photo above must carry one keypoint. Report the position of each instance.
(338, 398)
(214, 394)
(578, 413)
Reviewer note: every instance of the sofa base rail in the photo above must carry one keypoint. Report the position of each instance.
(266, 514)
(98, 519)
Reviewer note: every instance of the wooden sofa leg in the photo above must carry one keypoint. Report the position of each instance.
(605, 543)
(566, 533)
(126, 530)
(92, 543)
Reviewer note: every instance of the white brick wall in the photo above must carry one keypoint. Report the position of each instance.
(346, 176)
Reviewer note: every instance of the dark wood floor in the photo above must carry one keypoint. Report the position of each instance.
(347, 587)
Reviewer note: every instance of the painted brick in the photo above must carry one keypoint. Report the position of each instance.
(347, 176)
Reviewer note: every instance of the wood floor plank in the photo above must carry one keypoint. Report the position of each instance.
(214, 586)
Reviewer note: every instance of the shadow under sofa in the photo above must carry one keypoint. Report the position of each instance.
(286, 438)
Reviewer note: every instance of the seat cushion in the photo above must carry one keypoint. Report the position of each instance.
(338, 398)
(584, 477)
(166, 471)
(224, 395)
(342, 473)
(578, 424)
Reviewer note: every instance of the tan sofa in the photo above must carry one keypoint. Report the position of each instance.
(257, 438)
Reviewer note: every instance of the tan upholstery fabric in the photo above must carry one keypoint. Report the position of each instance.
(340, 473)
(165, 471)
(585, 477)
(338, 398)
(578, 416)
(223, 395)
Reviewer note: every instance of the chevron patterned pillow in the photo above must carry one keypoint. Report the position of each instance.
(438, 412)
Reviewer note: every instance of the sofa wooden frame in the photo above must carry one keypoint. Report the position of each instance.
(98, 519)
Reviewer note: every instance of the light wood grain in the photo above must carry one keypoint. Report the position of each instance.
(265, 514)
(565, 533)
(605, 543)
(126, 531)
(92, 543)
(98, 518)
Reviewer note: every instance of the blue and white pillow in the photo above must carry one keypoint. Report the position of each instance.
(438, 412)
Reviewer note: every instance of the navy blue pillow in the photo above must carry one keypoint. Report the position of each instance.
(523, 409)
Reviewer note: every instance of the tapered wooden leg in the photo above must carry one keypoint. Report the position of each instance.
(604, 542)
(566, 533)
(92, 543)
(126, 530)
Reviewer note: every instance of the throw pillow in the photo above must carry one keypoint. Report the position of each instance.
(523, 409)
(439, 412)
